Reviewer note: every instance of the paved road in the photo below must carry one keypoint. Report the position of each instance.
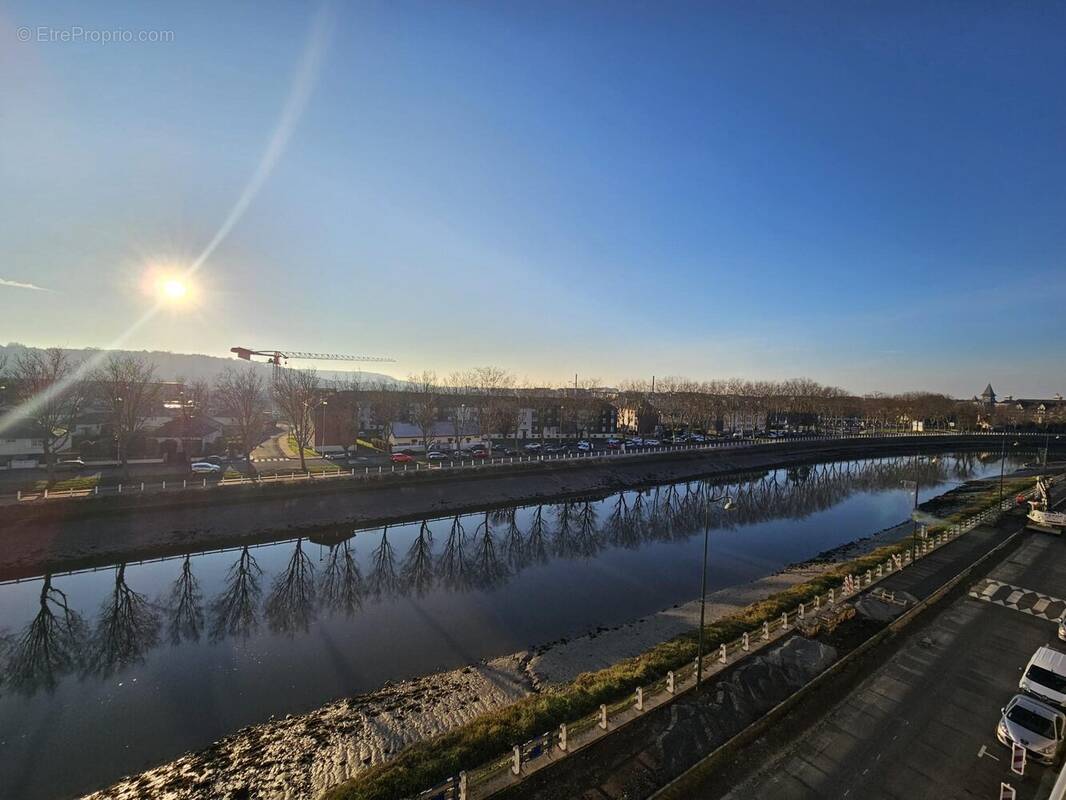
(923, 725)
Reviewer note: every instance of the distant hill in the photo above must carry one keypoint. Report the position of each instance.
(193, 366)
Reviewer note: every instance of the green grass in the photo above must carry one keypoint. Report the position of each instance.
(308, 452)
(426, 763)
(63, 484)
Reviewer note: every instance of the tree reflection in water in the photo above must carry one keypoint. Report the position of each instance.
(185, 607)
(54, 642)
(128, 626)
(290, 605)
(383, 580)
(489, 571)
(452, 564)
(417, 569)
(49, 647)
(235, 612)
(342, 582)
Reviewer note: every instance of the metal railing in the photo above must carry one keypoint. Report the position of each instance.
(401, 470)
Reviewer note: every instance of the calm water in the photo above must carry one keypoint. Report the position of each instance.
(109, 672)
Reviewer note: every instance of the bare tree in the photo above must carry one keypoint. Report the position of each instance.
(241, 395)
(185, 606)
(347, 410)
(296, 395)
(236, 610)
(385, 404)
(290, 606)
(127, 387)
(425, 404)
(52, 398)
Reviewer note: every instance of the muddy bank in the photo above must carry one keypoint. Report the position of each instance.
(66, 537)
(298, 757)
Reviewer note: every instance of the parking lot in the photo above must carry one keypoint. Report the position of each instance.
(923, 724)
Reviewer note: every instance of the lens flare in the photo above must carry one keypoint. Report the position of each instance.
(174, 289)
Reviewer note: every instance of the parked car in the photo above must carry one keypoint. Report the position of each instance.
(216, 460)
(437, 456)
(585, 446)
(1036, 726)
(353, 460)
(1062, 628)
(70, 463)
(479, 453)
(613, 444)
(205, 467)
(401, 458)
(652, 443)
(1044, 676)
(336, 456)
(532, 446)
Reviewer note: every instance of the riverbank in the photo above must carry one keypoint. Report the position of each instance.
(68, 537)
(301, 756)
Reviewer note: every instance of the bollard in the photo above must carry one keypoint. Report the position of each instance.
(562, 737)
(831, 597)
(784, 620)
(19, 495)
(801, 611)
(516, 760)
(464, 786)
(185, 483)
(639, 703)
(164, 485)
(205, 483)
(722, 655)
(766, 631)
(120, 488)
(45, 494)
(879, 571)
(142, 485)
(670, 682)
(817, 602)
(746, 644)
(96, 491)
(869, 577)
(603, 716)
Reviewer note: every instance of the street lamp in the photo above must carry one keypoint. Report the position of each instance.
(1002, 461)
(727, 506)
(914, 528)
(324, 403)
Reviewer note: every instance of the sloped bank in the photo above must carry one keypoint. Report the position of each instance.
(75, 534)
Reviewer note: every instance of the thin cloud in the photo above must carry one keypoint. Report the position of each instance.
(20, 285)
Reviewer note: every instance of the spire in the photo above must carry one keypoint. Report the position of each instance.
(988, 392)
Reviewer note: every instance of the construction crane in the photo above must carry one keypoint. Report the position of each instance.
(279, 357)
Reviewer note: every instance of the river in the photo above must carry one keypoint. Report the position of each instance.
(111, 671)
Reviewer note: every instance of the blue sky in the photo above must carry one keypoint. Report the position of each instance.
(869, 194)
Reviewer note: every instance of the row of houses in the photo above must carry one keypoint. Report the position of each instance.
(171, 429)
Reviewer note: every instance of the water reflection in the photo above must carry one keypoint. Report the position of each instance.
(471, 552)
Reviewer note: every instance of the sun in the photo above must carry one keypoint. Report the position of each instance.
(174, 289)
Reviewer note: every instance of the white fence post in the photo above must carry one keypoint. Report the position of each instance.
(670, 682)
(722, 655)
(562, 737)
(463, 786)
(640, 698)
(784, 620)
(746, 644)
(603, 716)
(766, 631)
(516, 760)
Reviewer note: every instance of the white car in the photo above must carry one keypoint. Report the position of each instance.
(532, 446)
(1062, 628)
(1036, 726)
(652, 443)
(1044, 677)
(205, 467)
(436, 456)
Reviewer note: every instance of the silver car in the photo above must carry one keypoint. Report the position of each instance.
(1036, 726)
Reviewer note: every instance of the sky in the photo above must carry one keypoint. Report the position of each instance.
(872, 195)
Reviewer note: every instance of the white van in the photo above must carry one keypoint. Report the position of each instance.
(1045, 676)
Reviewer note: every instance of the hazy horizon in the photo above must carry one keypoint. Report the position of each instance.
(868, 196)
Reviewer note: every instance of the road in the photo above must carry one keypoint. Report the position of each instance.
(923, 724)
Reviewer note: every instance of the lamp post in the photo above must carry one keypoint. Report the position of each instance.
(703, 581)
(324, 403)
(1002, 461)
